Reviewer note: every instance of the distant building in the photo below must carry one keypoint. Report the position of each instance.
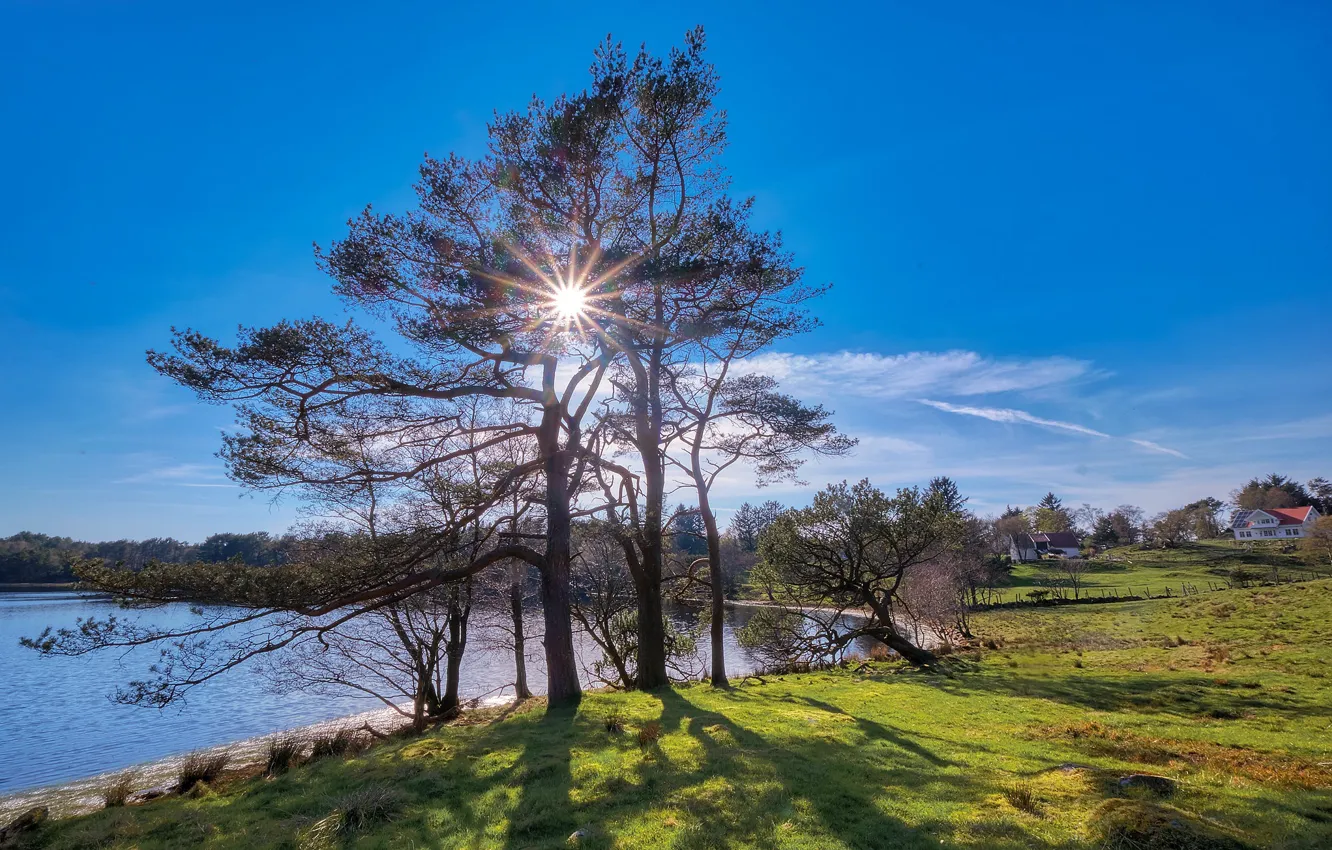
(1273, 523)
(1030, 547)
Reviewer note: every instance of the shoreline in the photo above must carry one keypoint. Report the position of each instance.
(83, 795)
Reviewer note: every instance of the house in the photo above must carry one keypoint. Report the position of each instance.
(1273, 523)
(1030, 547)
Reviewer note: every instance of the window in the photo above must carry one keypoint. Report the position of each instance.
(1268, 532)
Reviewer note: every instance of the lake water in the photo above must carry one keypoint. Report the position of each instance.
(58, 721)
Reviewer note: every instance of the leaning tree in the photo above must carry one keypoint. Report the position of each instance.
(852, 549)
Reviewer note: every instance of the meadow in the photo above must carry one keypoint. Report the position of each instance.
(1202, 565)
(1203, 722)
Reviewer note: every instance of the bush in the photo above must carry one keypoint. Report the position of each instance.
(200, 767)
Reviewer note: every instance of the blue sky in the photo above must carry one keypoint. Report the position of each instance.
(1083, 247)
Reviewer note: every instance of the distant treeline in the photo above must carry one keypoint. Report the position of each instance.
(32, 558)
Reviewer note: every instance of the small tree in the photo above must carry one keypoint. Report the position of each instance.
(1073, 572)
(1171, 528)
(1011, 524)
(1317, 545)
(408, 651)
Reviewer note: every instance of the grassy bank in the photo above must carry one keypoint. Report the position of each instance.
(1023, 744)
(1198, 564)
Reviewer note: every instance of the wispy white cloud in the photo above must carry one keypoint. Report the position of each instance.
(886, 376)
(1157, 447)
(1003, 414)
(1022, 417)
(180, 475)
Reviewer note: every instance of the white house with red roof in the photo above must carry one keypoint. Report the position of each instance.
(1273, 523)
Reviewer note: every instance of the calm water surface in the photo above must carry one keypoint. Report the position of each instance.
(59, 722)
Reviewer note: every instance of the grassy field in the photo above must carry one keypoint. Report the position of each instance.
(1132, 570)
(1021, 744)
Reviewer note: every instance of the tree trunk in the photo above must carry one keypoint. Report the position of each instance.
(561, 664)
(521, 690)
(718, 611)
(651, 624)
(886, 632)
(651, 634)
(456, 647)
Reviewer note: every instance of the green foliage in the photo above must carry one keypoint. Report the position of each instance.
(1274, 491)
(32, 558)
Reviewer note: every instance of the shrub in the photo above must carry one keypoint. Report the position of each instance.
(283, 754)
(200, 767)
(615, 721)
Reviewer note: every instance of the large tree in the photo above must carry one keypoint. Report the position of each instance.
(594, 238)
(1272, 491)
(1050, 515)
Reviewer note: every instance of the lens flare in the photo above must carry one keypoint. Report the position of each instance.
(569, 302)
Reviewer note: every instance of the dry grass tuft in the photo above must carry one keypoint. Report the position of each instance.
(283, 754)
(356, 812)
(200, 767)
(344, 742)
(649, 735)
(1022, 796)
(1139, 825)
(1272, 768)
(119, 790)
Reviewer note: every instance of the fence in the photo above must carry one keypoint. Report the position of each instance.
(991, 598)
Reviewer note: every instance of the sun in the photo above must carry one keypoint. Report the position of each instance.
(569, 302)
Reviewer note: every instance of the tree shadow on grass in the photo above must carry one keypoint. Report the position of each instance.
(845, 787)
(1175, 693)
(542, 813)
(878, 731)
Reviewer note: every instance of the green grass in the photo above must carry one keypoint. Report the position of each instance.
(1132, 570)
(1018, 746)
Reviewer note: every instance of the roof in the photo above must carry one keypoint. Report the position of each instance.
(1283, 516)
(1290, 516)
(1057, 539)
